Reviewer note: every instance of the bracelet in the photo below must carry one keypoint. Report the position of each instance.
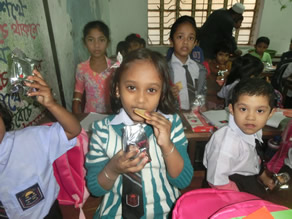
(77, 99)
(106, 175)
(165, 155)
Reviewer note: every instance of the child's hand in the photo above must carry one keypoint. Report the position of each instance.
(220, 82)
(162, 128)
(42, 91)
(123, 162)
(175, 90)
(267, 180)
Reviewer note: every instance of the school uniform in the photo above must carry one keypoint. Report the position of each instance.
(230, 153)
(160, 190)
(178, 74)
(28, 187)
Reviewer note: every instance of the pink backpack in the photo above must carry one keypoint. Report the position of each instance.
(219, 204)
(277, 161)
(70, 174)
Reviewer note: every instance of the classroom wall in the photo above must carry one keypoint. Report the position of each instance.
(276, 24)
(23, 26)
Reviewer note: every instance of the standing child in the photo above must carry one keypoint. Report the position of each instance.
(243, 67)
(188, 76)
(233, 156)
(261, 46)
(28, 186)
(219, 70)
(142, 82)
(93, 75)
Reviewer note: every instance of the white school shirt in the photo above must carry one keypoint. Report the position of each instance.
(180, 75)
(230, 151)
(28, 187)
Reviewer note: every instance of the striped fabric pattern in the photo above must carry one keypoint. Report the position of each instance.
(160, 191)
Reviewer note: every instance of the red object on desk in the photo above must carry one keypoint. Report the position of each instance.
(197, 122)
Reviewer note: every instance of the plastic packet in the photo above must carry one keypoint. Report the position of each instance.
(281, 180)
(19, 68)
(135, 136)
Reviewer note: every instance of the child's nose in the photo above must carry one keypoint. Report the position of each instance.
(251, 116)
(140, 97)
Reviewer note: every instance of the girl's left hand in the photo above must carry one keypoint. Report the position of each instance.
(162, 128)
(42, 90)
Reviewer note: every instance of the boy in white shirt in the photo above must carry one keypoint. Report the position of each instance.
(232, 157)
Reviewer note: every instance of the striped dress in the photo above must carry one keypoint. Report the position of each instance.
(160, 191)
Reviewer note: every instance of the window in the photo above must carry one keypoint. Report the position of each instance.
(163, 13)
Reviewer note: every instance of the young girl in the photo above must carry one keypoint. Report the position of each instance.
(93, 75)
(142, 81)
(185, 71)
(242, 68)
(219, 69)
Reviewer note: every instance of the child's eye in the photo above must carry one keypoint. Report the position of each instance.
(192, 38)
(180, 37)
(131, 87)
(102, 40)
(152, 90)
(261, 111)
(242, 109)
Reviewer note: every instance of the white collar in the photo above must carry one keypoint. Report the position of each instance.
(250, 139)
(123, 117)
(174, 59)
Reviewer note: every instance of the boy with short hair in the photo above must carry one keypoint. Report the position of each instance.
(28, 186)
(261, 46)
(233, 157)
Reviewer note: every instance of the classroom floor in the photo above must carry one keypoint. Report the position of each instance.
(91, 204)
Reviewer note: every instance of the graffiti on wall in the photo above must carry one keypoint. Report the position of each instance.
(18, 28)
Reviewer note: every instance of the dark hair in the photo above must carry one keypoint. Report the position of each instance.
(244, 67)
(181, 20)
(102, 27)
(166, 100)
(6, 116)
(134, 37)
(223, 46)
(122, 47)
(265, 40)
(254, 87)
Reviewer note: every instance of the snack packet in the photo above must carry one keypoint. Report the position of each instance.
(135, 136)
(19, 68)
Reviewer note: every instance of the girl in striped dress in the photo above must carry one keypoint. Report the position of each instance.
(142, 82)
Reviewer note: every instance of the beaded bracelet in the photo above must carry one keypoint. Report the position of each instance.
(106, 175)
(77, 99)
(165, 155)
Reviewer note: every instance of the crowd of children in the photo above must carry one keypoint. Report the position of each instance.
(160, 86)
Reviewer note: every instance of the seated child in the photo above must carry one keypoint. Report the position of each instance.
(261, 46)
(219, 70)
(28, 187)
(135, 42)
(183, 70)
(243, 67)
(233, 156)
(122, 47)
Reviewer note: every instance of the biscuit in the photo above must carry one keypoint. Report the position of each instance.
(179, 85)
(141, 113)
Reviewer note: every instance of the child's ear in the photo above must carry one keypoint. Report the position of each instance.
(117, 91)
(195, 43)
(171, 42)
(230, 107)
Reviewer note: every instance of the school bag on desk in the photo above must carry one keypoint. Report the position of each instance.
(277, 161)
(219, 204)
(70, 174)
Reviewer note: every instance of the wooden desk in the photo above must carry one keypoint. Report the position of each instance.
(193, 137)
